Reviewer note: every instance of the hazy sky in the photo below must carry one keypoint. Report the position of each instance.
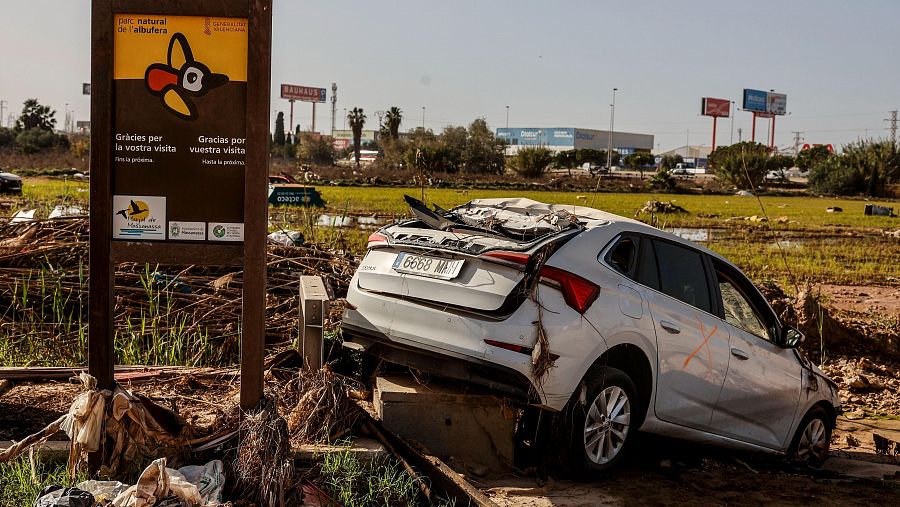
(553, 62)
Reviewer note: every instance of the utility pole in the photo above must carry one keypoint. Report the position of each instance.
(731, 141)
(893, 120)
(612, 119)
(2, 107)
(797, 140)
(333, 107)
(423, 118)
(507, 116)
(739, 134)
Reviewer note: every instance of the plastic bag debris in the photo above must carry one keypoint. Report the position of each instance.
(209, 479)
(103, 490)
(61, 210)
(57, 496)
(23, 216)
(286, 238)
(85, 417)
(157, 483)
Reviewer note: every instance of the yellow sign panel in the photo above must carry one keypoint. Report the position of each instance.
(142, 41)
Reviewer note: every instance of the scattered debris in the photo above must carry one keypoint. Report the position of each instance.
(834, 209)
(23, 216)
(876, 210)
(61, 210)
(744, 193)
(286, 238)
(659, 207)
(54, 253)
(264, 468)
(323, 412)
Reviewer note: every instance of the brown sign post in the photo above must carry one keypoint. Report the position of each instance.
(179, 137)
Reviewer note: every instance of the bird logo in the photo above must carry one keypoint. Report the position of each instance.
(137, 211)
(180, 78)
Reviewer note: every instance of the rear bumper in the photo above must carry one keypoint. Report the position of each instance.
(503, 380)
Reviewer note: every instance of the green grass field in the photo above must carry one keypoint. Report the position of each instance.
(846, 247)
(808, 211)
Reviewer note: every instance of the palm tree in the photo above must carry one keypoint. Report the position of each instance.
(357, 120)
(393, 118)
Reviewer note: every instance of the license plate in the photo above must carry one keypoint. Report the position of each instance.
(431, 267)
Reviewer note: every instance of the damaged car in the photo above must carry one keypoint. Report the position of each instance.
(610, 325)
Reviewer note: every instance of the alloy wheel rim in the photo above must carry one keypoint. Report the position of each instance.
(813, 442)
(606, 425)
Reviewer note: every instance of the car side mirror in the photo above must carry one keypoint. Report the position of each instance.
(791, 337)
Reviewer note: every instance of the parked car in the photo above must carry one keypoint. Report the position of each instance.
(644, 330)
(776, 176)
(10, 183)
(679, 170)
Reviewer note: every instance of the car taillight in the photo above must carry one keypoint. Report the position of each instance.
(509, 346)
(578, 292)
(376, 238)
(517, 259)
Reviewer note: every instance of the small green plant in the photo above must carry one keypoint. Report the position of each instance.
(18, 486)
(355, 483)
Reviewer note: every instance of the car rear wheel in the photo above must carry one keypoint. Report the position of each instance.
(813, 439)
(602, 422)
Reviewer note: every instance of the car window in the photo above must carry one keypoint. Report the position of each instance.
(682, 275)
(622, 256)
(647, 270)
(738, 311)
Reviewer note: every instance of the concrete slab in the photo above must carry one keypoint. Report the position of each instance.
(861, 469)
(463, 426)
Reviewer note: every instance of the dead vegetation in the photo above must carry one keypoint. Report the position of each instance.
(195, 309)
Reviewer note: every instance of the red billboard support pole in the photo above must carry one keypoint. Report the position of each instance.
(714, 133)
(291, 126)
(753, 130)
(314, 118)
(772, 136)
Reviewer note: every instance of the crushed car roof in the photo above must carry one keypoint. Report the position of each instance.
(531, 207)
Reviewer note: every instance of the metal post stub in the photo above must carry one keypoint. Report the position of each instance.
(314, 303)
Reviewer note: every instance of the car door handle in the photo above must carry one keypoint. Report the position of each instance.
(740, 354)
(668, 326)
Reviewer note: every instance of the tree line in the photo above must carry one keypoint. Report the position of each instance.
(34, 130)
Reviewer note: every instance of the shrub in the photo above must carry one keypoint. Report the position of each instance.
(744, 165)
(7, 137)
(36, 139)
(832, 176)
(532, 162)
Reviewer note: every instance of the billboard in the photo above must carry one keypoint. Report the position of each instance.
(302, 93)
(364, 137)
(759, 101)
(777, 103)
(715, 107)
(755, 100)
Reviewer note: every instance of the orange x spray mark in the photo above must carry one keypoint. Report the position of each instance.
(704, 343)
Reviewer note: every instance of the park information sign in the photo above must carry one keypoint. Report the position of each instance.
(180, 94)
(179, 154)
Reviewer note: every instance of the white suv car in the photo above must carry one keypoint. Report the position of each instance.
(615, 324)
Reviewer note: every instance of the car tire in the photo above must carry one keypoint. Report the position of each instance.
(601, 422)
(812, 440)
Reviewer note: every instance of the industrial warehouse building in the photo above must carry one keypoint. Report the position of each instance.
(567, 138)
